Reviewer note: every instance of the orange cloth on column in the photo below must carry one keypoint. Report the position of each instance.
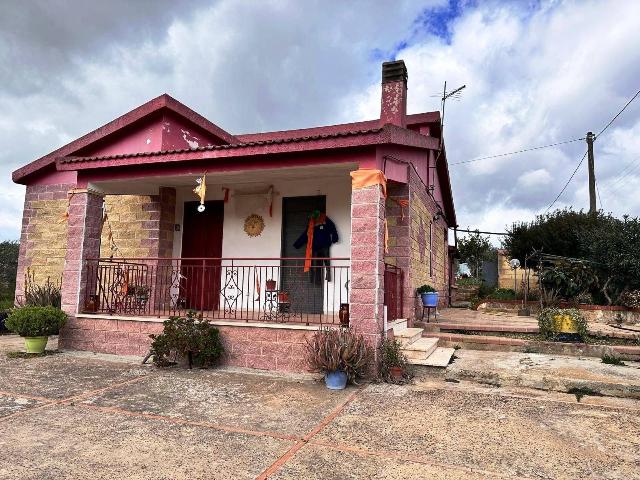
(366, 177)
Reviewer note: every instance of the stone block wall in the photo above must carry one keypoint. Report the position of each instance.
(43, 239)
(507, 277)
(428, 243)
(141, 225)
(280, 349)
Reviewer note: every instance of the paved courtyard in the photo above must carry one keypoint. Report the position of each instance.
(90, 416)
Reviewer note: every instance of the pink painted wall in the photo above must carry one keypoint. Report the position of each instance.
(164, 131)
(53, 177)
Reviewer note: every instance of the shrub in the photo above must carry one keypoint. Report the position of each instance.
(331, 350)
(188, 337)
(33, 321)
(630, 299)
(549, 327)
(49, 294)
(503, 294)
(425, 289)
(470, 281)
(391, 356)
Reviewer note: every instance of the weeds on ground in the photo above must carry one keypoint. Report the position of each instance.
(46, 353)
(580, 392)
(612, 360)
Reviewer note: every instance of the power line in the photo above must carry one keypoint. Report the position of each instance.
(599, 197)
(566, 184)
(618, 114)
(485, 233)
(517, 151)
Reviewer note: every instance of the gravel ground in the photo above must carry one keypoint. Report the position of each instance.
(69, 416)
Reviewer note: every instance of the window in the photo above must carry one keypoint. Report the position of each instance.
(431, 249)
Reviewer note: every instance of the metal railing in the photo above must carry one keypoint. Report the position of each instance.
(244, 289)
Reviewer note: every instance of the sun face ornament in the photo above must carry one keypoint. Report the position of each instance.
(254, 225)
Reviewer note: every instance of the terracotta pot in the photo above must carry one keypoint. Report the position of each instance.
(343, 314)
(283, 297)
(396, 373)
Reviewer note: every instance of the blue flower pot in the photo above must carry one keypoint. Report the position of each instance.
(335, 380)
(430, 299)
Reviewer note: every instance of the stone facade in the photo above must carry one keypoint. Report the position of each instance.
(264, 348)
(508, 278)
(43, 240)
(141, 225)
(417, 243)
(428, 242)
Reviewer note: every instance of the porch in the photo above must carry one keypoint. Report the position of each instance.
(273, 290)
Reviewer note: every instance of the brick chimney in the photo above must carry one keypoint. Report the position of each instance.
(394, 93)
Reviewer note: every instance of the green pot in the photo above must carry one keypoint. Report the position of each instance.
(36, 344)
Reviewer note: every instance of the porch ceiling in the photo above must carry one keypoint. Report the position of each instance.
(151, 185)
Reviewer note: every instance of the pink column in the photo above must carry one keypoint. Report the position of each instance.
(367, 262)
(83, 241)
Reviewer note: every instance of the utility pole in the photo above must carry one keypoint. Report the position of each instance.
(592, 173)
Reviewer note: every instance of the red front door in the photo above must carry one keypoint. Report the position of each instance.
(202, 242)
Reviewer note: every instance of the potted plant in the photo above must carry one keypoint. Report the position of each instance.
(429, 295)
(563, 324)
(340, 354)
(271, 284)
(35, 324)
(393, 366)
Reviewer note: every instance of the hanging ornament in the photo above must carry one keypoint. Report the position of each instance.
(254, 225)
(201, 190)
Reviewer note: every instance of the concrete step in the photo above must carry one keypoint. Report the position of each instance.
(490, 327)
(408, 335)
(420, 349)
(440, 357)
(400, 324)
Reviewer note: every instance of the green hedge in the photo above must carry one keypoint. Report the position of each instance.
(36, 321)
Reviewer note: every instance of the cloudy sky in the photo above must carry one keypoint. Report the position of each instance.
(537, 72)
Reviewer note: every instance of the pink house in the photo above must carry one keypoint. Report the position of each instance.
(297, 229)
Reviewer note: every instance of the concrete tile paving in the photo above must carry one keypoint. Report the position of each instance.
(71, 442)
(259, 402)
(515, 436)
(73, 416)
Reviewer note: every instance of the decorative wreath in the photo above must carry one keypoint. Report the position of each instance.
(254, 225)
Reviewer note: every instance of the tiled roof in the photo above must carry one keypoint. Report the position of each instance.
(307, 138)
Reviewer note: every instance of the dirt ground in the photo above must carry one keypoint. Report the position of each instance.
(94, 416)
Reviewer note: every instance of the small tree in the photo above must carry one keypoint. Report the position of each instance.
(8, 268)
(557, 233)
(474, 250)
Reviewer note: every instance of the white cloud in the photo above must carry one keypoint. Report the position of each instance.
(534, 75)
(534, 179)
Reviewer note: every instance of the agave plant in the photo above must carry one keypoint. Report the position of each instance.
(331, 350)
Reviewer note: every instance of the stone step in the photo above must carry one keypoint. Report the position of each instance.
(407, 335)
(440, 357)
(490, 327)
(420, 349)
(400, 324)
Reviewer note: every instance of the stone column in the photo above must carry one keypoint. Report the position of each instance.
(83, 241)
(367, 262)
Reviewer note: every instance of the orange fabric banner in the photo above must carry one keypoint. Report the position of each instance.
(366, 177)
(309, 251)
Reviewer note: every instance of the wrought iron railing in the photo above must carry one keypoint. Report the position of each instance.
(246, 289)
(393, 291)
